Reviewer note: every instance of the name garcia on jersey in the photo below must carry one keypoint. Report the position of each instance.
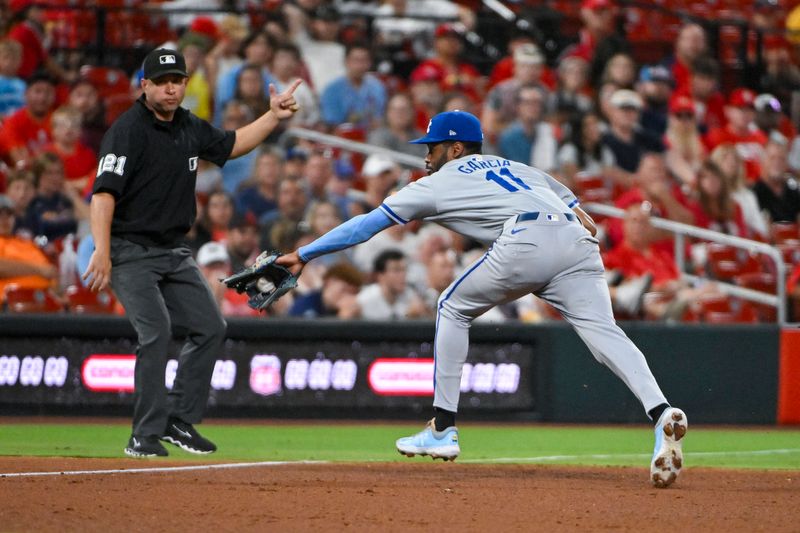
(480, 164)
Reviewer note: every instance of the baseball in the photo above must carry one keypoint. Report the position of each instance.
(265, 285)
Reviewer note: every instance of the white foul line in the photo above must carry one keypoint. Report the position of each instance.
(160, 469)
(554, 458)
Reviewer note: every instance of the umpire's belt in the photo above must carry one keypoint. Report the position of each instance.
(551, 217)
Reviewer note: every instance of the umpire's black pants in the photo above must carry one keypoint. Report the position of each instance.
(159, 288)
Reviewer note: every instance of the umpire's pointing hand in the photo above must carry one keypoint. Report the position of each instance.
(284, 105)
(99, 271)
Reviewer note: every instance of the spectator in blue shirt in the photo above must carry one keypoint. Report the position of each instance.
(257, 50)
(12, 88)
(529, 139)
(358, 97)
(261, 196)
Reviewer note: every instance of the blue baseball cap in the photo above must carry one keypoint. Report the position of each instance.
(452, 126)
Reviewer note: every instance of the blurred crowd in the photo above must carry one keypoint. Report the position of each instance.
(664, 139)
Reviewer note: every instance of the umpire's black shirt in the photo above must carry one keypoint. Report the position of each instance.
(150, 166)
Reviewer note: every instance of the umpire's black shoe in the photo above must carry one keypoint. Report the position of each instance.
(185, 436)
(145, 447)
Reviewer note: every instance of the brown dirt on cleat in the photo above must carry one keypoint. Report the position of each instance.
(680, 431)
(668, 430)
(659, 462)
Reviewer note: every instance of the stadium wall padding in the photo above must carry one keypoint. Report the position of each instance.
(719, 374)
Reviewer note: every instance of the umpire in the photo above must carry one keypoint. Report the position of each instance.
(143, 204)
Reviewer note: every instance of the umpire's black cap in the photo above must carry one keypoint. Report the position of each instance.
(163, 61)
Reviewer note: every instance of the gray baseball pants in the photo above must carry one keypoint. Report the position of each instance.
(558, 261)
(159, 288)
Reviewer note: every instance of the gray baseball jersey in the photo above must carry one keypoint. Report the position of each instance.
(548, 254)
(476, 195)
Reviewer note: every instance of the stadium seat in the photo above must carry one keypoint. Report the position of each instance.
(783, 231)
(81, 300)
(27, 300)
(763, 282)
(585, 182)
(717, 303)
(107, 80)
(726, 270)
(790, 250)
(758, 281)
(117, 105)
(729, 317)
(721, 252)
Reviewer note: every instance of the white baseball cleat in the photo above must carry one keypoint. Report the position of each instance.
(668, 454)
(437, 444)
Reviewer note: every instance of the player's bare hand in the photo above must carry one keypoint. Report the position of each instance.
(291, 261)
(284, 105)
(98, 273)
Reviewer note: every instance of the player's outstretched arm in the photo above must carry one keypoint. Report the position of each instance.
(281, 107)
(585, 219)
(355, 231)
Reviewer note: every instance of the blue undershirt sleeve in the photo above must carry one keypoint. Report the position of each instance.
(356, 230)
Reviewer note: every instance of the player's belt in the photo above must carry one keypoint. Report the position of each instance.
(534, 215)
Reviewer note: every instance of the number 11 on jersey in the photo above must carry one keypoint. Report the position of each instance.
(505, 173)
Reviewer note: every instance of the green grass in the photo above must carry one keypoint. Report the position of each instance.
(540, 444)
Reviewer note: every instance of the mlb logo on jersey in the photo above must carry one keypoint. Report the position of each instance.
(192, 164)
(552, 218)
(166, 60)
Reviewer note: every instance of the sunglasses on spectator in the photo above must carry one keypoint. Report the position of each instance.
(684, 116)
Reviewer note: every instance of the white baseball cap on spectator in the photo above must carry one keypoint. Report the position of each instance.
(375, 165)
(212, 252)
(528, 54)
(625, 98)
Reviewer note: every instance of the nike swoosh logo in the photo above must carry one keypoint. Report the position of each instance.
(517, 230)
(182, 432)
(135, 443)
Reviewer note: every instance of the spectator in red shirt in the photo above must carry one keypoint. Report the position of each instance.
(598, 23)
(685, 149)
(504, 69)
(28, 30)
(455, 74)
(27, 131)
(653, 186)
(703, 89)
(426, 94)
(80, 162)
(690, 44)
(715, 208)
(638, 258)
(741, 131)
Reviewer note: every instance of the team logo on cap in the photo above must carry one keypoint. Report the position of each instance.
(166, 60)
(451, 132)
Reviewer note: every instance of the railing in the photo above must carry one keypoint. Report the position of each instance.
(681, 231)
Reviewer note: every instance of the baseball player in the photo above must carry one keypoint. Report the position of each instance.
(539, 241)
(143, 204)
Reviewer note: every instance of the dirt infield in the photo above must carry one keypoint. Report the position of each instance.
(414, 496)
